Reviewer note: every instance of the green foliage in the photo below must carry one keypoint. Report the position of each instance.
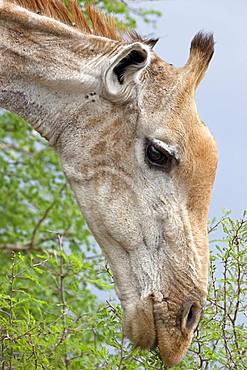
(49, 316)
(126, 11)
(50, 268)
(49, 319)
(221, 341)
(49, 264)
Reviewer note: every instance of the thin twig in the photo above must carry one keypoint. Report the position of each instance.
(42, 219)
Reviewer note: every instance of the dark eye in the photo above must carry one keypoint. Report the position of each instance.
(158, 157)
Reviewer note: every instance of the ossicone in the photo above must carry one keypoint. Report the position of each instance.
(201, 52)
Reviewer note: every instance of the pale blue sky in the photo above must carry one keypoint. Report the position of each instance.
(222, 96)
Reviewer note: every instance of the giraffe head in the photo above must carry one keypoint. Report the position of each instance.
(139, 159)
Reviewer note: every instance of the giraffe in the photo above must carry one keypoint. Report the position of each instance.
(138, 158)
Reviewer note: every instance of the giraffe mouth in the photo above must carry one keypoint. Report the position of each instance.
(148, 326)
(139, 324)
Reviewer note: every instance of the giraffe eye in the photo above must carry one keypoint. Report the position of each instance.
(157, 156)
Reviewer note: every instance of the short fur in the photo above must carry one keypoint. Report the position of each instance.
(100, 102)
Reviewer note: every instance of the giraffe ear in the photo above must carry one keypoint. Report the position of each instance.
(122, 77)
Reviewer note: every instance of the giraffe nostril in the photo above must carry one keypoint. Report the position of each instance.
(190, 317)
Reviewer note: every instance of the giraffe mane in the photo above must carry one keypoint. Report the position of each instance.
(92, 22)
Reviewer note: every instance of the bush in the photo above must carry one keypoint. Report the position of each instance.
(49, 264)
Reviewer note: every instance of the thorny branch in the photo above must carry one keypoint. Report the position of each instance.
(42, 219)
(11, 146)
(61, 277)
(225, 309)
(224, 300)
(22, 247)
